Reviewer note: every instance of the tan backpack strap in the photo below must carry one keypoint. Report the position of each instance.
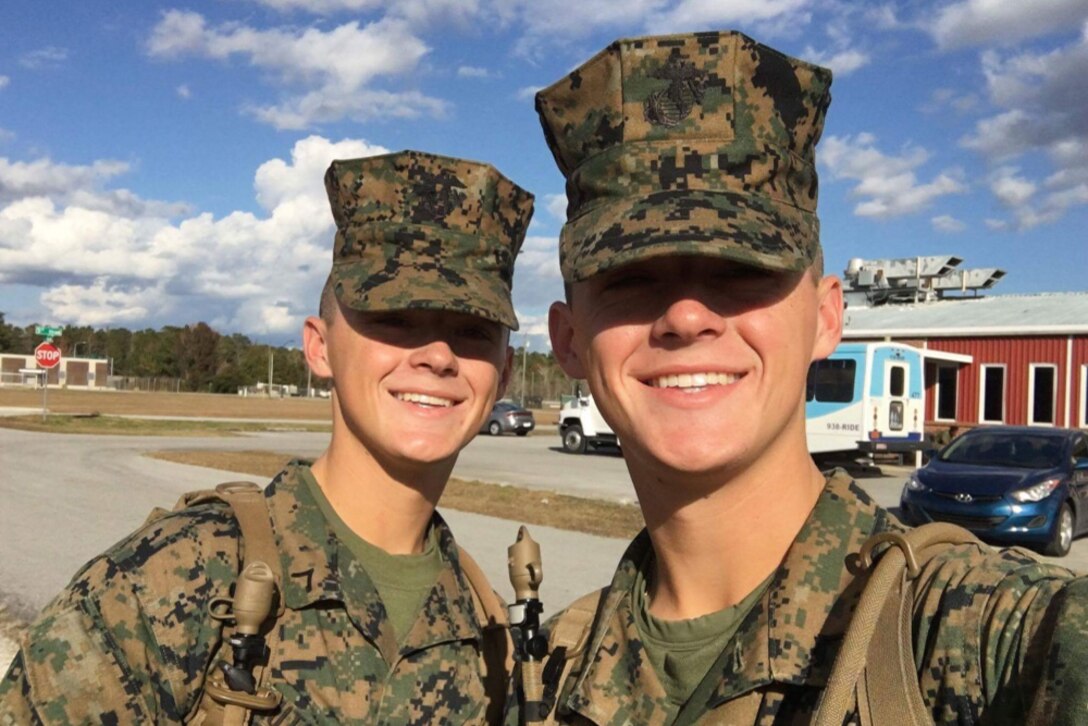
(219, 705)
(571, 629)
(567, 640)
(494, 612)
(497, 646)
(247, 501)
(875, 667)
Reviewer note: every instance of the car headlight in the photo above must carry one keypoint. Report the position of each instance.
(914, 484)
(1037, 492)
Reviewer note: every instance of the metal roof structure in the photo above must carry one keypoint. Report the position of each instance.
(1059, 313)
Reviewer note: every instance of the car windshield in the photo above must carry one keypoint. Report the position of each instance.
(1022, 451)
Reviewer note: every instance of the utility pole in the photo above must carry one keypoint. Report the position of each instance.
(271, 363)
(524, 365)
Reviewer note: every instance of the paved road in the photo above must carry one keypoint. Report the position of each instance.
(67, 497)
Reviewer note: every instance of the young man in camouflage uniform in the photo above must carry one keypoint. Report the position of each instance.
(695, 305)
(379, 624)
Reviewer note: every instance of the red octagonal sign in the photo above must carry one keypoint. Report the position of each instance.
(47, 355)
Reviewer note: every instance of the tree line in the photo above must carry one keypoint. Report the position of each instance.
(199, 358)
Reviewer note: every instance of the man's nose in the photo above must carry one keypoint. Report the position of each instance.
(437, 356)
(688, 319)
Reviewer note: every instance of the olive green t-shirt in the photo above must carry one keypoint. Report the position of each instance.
(403, 581)
(682, 651)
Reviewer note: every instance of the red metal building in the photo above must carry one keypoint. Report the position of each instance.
(1011, 359)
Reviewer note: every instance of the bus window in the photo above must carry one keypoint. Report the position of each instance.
(831, 381)
(897, 383)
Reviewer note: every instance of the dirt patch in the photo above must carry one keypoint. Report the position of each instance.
(139, 403)
(115, 425)
(529, 506)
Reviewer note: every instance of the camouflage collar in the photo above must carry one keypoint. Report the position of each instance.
(317, 567)
(790, 637)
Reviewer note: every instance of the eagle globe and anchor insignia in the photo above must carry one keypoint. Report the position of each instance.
(673, 104)
(436, 196)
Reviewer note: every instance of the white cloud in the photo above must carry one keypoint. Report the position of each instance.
(184, 91)
(537, 279)
(44, 178)
(128, 265)
(47, 57)
(417, 12)
(888, 184)
(980, 22)
(323, 7)
(473, 72)
(688, 14)
(559, 22)
(6, 135)
(947, 223)
(551, 22)
(4, 81)
(100, 304)
(334, 70)
(1012, 190)
(949, 98)
(842, 63)
(528, 93)
(556, 204)
(1043, 111)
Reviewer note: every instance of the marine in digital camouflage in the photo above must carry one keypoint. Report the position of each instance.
(416, 230)
(687, 144)
(704, 144)
(999, 637)
(130, 640)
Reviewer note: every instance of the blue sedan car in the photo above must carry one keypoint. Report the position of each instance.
(1010, 485)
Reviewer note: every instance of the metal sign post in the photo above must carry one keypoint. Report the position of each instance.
(47, 356)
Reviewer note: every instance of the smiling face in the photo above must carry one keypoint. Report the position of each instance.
(411, 386)
(698, 363)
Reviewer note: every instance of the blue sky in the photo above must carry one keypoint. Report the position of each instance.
(162, 163)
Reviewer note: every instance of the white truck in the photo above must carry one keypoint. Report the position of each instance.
(582, 426)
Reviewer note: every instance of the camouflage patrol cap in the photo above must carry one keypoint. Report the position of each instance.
(421, 231)
(696, 144)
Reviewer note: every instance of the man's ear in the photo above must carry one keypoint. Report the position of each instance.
(561, 328)
(829, 316)
(504, 379)
(315, 346)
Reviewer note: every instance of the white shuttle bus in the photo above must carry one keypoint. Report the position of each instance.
(867, 397)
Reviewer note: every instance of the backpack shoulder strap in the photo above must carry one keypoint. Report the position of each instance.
(875, 666)
(567, 640)
(572, 628)
(247, 501)
(218, 704)
(497, 646)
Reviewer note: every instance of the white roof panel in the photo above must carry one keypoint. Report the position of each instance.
(1058, 313)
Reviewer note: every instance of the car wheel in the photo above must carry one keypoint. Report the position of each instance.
(1061, 539)
(573, 439)
(494, 428)
(522, 433)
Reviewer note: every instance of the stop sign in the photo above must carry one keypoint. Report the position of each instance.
(47, 355)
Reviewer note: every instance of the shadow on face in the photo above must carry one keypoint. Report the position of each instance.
(644, 291)
(468, 336)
